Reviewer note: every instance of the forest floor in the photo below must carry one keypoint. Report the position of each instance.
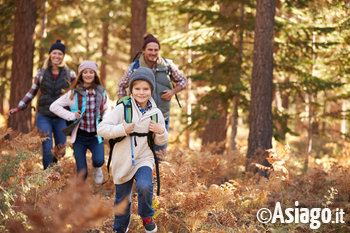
(201, 191)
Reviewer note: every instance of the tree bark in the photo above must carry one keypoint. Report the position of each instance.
(138, 25)
(282, 103)
(216, 129)
(43, 33)
(236, 99)
(104, 47)
(22, 62)
(235, 122)
(2, 86)
(260, 118)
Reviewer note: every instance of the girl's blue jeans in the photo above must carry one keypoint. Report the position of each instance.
(51, 126)
(80, 146)
(144, 186)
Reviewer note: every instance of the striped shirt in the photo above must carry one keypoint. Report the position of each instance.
(88, 122)
(176, 75)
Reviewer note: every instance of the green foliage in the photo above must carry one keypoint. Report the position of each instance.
(309, 58)
(221, 70)
(10, 163)
(7, 12)
(204, 38)
(9, 167)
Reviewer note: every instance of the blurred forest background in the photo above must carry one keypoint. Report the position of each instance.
(261, 75)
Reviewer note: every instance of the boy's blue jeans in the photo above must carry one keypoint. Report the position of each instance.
(80, 146)
(159, 148)
(144, 186)
(49, 126)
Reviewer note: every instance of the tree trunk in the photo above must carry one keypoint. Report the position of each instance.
(236, 99)
(344, 122)
(324, 121)
(43, 33)
(188, 105)
(282, 103)
(2, 86)
(104, 47)
(188, 90)
(260, 118)
(22, 62)
(138, 25)
(216, 129)
(285, 107)
(235, 122)
(311, 100)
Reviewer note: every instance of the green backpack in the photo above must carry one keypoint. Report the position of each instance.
(126, 101)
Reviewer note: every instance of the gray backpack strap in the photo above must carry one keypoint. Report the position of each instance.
(170, 73)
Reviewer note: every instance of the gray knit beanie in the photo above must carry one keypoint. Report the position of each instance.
(86, 64)
(143, 73)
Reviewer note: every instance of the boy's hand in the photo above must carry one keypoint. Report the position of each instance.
(129, 128)
(156, 128)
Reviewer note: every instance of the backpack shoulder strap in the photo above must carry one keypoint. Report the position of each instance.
(137, 56)
(154, 118)
(170, 73)
(126, 101)
(135, 65)
(150, 141)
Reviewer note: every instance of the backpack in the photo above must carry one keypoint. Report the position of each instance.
(126, 101)
(136, 65)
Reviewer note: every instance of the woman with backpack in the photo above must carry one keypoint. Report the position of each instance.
(87, 102)
(51, 79)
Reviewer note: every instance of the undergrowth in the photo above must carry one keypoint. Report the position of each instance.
(200, 191)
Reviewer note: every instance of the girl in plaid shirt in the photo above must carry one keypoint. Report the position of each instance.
(87, 101)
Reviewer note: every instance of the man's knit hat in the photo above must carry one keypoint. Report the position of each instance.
(143, 73)
(87, 65)
(148, 39)
(58, 45)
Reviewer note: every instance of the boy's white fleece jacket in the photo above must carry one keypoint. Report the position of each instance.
(58, 107)
(112, 127)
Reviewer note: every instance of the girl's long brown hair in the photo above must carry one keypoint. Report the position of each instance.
(78, 83)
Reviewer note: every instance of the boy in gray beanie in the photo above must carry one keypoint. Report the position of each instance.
(132, 157)
(145, 74)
